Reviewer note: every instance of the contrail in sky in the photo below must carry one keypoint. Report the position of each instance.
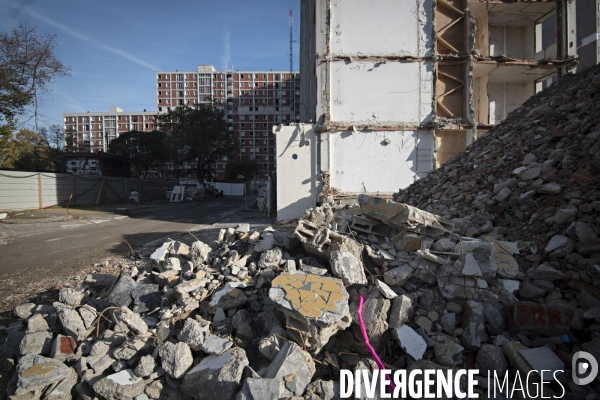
(78, 35)
(227, 52)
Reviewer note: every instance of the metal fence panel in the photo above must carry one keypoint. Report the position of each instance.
(18, 190)
(27, 190)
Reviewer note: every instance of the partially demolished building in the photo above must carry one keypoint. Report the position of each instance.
(391, 90)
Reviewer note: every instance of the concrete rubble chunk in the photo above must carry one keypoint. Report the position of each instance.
(267, 243)
(145, 366)
(545, 272)
(25, 310)
(37, 323)
(176, 359)
(146, 297)
(200, 252)
(399, 275)
(123, 385)
(194, 333)
(214, 344)
(88, 315)
(549, 188)
(36, 343)
(120, 295)
(257, 389)
(71, 296)
(491, 358)
(446, 352)
(411, 342)
(385, 290)
(35, 373)
(320, 242)
(71, 321)
(474, 333)
(293, 367)
(404, 216)
(346, 266)
(323, 390)
(270, 259)
(133, 321)
(216, 376)
(315, 305)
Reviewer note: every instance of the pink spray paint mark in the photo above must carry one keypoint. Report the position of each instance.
(363, 330)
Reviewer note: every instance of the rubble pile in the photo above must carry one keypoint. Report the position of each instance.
(532, 176)
(456, 273)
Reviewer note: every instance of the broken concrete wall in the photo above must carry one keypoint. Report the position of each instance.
(394, 156)
(297, 184)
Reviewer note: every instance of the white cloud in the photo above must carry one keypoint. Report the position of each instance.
(78, 35)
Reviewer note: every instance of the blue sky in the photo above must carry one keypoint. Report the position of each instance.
(114, 48)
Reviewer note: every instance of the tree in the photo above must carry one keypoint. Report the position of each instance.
(144, 149)
(198, 134)
(27, 67)
(54, 143)
(245, 166)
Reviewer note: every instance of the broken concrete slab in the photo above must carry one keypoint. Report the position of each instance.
(63, 348)
(411, 342)
(35, 373)
(404, 216)
(194, 332)
(315, 305)
(293, 367)
(216, 376)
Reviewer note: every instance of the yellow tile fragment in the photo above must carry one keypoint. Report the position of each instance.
(312, 278)
(334, 297)
(305, 295)
(292, 294)
(331, 286)
(320, 304)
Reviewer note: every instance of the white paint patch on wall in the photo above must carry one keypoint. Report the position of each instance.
(384, 93)
(373, 28)
(363, 162)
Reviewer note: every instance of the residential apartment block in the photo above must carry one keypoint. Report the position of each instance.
(95, 130)
(254, 102)
(397, 88)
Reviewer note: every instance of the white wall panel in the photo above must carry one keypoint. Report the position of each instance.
(381, 93)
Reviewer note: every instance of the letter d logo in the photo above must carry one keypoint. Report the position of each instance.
(585, 368)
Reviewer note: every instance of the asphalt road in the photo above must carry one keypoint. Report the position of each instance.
(43, 246)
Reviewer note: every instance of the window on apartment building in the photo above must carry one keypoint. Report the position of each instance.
(160, 92)
(195, 101)
(187, 92)
(264, 101)
(168, 76)
(222, 84)
(179, 77)
(159, 108)
(195, 84)
(241, 76)
(243, 125)
(264, 76)
(222, 76)
(277, 77)
(264, 84)
(180, 86)
(243, 141)
(168, 101)
(241, 101)
(168, 85)
(264, 125)
(222, 93)
(158, 76)
(241, 84)
(187, 84)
